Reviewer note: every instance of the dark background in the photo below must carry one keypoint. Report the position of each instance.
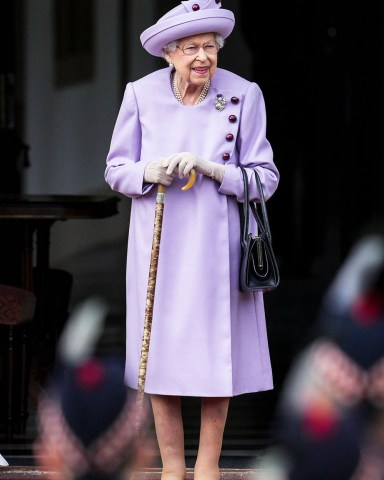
(320, 66)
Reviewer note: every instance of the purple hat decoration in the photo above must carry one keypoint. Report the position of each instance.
(191, 17)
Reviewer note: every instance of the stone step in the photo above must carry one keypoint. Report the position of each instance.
(28, 473)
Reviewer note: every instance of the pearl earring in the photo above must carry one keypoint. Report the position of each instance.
(171, 65)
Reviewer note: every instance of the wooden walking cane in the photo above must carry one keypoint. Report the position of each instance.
(160, 197)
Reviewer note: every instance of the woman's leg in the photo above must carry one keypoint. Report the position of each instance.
(213, 418)
(170, 435)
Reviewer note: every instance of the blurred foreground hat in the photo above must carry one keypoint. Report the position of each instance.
(88, 422)
(87, 415)
(192, 17)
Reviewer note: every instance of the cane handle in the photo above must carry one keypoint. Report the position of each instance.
(191, 181)
(162, 188)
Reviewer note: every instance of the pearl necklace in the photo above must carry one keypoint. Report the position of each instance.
(178, 96)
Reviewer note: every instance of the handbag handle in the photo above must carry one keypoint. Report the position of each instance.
(262, 221)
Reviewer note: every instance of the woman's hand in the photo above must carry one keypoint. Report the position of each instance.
(156, 172)
(182, 163)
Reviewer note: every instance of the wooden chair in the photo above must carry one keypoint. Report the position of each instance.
(17, 307)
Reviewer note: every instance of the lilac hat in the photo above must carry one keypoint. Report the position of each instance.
(190, 18)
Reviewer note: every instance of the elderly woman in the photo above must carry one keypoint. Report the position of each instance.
(208, 339)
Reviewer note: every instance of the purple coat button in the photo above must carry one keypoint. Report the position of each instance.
(229, 137)
(235, 100)
(195, 7)
(232, 118)
(226, 156)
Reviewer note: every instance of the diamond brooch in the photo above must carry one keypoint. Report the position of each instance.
(220, 102)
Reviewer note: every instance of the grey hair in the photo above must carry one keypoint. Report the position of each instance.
(171, 46)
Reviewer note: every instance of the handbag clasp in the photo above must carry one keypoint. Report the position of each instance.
(259, 252)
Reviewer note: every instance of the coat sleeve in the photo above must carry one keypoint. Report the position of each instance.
(124, 172)
(255, 151)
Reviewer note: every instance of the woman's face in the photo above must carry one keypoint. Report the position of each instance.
(195, 58)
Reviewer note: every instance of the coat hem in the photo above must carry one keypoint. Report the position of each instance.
(201, 394)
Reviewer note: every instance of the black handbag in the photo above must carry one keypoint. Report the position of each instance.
(259, 270)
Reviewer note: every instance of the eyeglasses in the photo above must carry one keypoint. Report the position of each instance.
(209, 49)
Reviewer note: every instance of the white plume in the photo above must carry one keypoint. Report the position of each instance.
(82, 331)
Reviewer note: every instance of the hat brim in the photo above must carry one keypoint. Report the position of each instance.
(155, 38)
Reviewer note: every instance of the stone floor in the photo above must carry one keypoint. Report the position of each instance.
(27, 473)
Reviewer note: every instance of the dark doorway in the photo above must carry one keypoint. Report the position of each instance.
(319, 66)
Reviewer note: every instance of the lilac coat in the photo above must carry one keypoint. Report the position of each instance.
(208, 339)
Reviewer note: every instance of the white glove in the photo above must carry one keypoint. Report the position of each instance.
(182, 163)
(155, 172)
